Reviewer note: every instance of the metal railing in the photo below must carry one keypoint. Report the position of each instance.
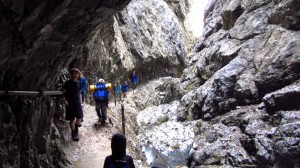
(30, 93)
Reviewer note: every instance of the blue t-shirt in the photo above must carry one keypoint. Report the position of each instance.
(125, 87)
(118, 89)
(134, 79)
(82, 84)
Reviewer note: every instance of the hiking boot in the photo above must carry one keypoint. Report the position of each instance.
(103, 123)
(75, 136)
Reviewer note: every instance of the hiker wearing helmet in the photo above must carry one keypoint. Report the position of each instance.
(72, 101)
(101, 99)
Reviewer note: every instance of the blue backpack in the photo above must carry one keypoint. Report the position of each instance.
(83, 84)
(101, 92)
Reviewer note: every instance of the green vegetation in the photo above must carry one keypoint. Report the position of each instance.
(163, 119)
(175, 147)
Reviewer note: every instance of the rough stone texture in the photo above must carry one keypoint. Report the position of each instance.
(23, 144)
(159, 126)
(162, 91)
(248, 54)
(148, 36)
(247, 137)
(240, 65)
(38, 40)
(283, 99)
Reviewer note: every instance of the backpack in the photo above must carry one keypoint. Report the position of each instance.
(125, 88)
(119, 163)
(101, 92)
(134, 79)
(82, 84)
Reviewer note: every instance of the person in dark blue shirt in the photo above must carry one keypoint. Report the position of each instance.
(125, 88)
(72, 101)
(118, 89)
(83, 87)
(134, 80)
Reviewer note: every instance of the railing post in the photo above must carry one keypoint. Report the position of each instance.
(115, 95)
(123, 119)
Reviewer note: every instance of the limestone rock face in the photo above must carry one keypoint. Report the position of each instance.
(238, 65)
(248, 55)
(38, 40)
(41, 40)
(148, 36)
(159, 126)
(156, 92)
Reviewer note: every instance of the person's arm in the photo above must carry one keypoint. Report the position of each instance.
(106, 163)
(79, 94)
(64, 97)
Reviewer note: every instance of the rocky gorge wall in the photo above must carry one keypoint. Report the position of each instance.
(148, 36)
(41, 40)
(239, 87)
(240, 91)
(243, 83)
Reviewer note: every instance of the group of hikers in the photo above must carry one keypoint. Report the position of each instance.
(73, 97)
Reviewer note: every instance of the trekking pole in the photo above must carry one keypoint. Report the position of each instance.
(123, 119)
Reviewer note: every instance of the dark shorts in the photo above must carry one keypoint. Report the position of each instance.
(74, 111)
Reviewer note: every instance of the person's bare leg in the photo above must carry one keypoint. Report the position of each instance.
(72, 125)
(77, 125)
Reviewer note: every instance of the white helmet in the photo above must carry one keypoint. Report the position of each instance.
(101, 81)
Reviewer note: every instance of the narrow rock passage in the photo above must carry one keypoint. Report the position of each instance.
(94, 143)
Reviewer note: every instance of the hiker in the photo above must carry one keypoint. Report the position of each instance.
(72, 101)
(118, 89)
(134, 79)
(170, 72)
(83, 87)
(118, 158)
(101, 99)
(125, 88)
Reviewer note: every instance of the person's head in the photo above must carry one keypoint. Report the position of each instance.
(101, 81)
(75, 74)
(125, 82)
(118, 146)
